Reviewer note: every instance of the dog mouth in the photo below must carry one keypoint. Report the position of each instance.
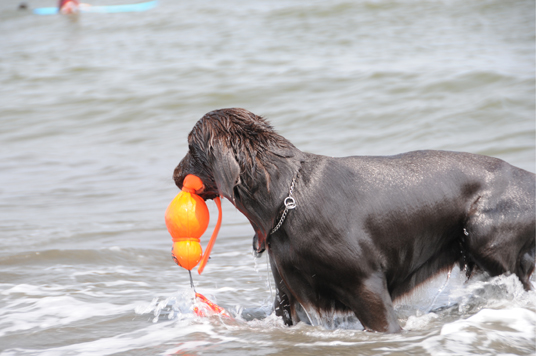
(207, 192)
(257, 250)
(208, 196)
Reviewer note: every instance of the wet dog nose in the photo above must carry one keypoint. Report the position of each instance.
(178, 177)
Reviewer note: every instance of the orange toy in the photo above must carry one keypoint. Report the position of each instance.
(187, 219)
(208, 306)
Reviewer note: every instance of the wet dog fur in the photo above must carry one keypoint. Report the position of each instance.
(366, 230)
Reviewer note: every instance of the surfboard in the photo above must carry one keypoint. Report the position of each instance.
(144, 6)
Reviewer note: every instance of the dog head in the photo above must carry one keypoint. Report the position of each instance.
(239, 156)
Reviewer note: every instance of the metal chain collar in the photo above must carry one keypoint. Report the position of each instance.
(290, 204)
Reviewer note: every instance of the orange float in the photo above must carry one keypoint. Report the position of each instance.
(207, 305)
(187, 220)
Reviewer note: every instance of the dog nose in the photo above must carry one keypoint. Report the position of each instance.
(178, 177)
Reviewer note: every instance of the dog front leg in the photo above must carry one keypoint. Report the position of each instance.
(282, 303)
(372, 304)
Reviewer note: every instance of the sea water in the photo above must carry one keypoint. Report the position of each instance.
(94, 115)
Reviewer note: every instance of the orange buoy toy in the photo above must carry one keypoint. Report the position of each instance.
(187, 220)
(206, 307)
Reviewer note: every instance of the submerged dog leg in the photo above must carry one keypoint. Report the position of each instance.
(373, 306)
(282, 303)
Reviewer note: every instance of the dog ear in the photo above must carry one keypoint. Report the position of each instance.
(226, 171)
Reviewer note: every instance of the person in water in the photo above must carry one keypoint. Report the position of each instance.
(68, 7)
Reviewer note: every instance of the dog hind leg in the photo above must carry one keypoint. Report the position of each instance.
(525, 267)
(500, 246)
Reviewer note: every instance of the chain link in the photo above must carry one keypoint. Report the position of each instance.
(290, 203)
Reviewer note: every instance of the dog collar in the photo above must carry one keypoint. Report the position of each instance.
(290, 204)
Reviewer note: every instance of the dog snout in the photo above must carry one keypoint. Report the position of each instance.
(182, 170)
(178, 176)
(189, 165)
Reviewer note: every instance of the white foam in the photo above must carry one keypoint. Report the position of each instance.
(122, 283)
(502, 291)
(111, 270)
(227, 289)
(513, 320)
(328, 343)
(178, 306)
(331, 319)
(420, 322)
(468, 296)
(31, 290)
(49, 312)
(511, 330)
(154, 336)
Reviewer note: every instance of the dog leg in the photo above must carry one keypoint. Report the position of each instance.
(502, 248)
(526, 268)
(373, 306)
(282, 303)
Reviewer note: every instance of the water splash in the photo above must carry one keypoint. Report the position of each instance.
(174, 307)
(332, 319)
(504, 331)
(462, 299)
(267, 279)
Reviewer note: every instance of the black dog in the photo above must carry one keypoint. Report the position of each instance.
(365, 230)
